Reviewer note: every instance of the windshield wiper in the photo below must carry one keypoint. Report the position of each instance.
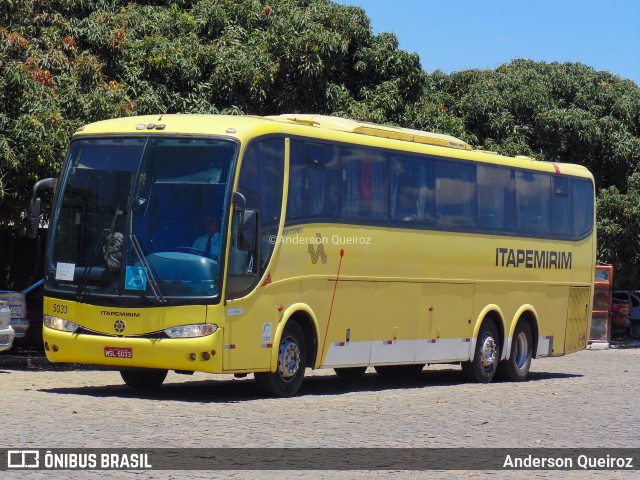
(143, 260)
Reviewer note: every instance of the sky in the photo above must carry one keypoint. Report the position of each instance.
(455, 35)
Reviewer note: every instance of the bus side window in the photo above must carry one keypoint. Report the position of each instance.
(561, 217)
(261, 181)
(412, 190)
(496, 198)
(314, 181)
(455, 194)
(582, 199)
(532, 198)
(365, 186)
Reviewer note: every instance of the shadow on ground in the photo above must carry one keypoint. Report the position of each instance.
(241, 390)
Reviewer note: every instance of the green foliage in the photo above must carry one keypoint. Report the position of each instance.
(619, 232)
(69, 62)
(555, 112)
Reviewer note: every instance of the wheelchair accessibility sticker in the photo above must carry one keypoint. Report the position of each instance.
(135, 278)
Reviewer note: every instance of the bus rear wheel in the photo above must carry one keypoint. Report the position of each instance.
(144, 378)
(517, 367)
(292, 362)
(350, 373)
(487, 355)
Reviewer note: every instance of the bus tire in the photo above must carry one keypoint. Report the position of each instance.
(143, 378)
(517, 367)
(487, 355)
(350, 373)
(400, 372)
(292, 362)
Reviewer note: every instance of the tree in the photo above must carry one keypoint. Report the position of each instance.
(618, 217)
(555, 112)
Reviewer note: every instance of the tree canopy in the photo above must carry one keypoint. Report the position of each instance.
(69, 62)
(619, 231)
(556, 112)
(65, 63)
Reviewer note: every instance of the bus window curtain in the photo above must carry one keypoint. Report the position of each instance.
(379, 194)
(396, 168)
(316, 180)
(422, 192)
(351, 182)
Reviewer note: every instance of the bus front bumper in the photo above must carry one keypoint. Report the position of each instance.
(203, 354)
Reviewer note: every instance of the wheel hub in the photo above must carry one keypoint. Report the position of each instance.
(288, 358)
(488, 352)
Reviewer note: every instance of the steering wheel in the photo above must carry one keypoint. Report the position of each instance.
(195, 251)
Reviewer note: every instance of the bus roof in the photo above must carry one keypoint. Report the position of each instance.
(375, 130)
(246, 127)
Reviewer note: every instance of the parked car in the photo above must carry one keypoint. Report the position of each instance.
(620, 313)
(6, 331)
(633, 301)
(18, 306)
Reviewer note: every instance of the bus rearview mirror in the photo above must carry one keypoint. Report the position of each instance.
(34, 215)
(239, 202)
(34, 218)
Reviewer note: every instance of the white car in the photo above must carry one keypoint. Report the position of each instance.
(6, 331)
(18, 305)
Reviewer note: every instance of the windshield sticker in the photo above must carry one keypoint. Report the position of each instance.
(65, 271)
(135, 278)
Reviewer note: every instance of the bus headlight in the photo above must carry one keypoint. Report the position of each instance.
(58, 323)
(191, 331)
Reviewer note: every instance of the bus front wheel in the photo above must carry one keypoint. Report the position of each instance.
(143, 379)
(292, 361)
(516, 368)
(487, 355)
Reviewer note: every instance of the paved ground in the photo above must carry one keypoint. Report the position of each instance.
(588, 399)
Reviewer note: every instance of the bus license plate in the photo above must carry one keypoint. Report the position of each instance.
(113, 352)
(4, 339)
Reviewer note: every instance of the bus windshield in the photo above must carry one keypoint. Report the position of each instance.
(139, 220)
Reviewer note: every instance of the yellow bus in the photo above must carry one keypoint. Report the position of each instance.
(268, 245)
